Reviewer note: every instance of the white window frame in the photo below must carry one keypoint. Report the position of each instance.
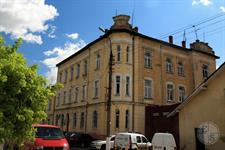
(169, 65)
(118, 53)
(84, 92)
(116, 84)
(148, 90)
(181, 94)
(98, 61)
(180, 68)
(128, 87)
(78, 70)
(205, 71)
(76, 95)
(96, 88)
(148, 59)
(128, 54)
(168, 93)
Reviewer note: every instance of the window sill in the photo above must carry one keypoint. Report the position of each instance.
(117, 95)
(148, 98)
(181, 75)
(95, 97)
(146, 67)
(169, 72)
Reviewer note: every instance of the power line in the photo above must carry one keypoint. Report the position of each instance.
(191, 26)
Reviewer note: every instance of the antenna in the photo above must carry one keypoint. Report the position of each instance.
(116, 12)
(132, 21)
(184, 36)
(203, 36)
(196, 33)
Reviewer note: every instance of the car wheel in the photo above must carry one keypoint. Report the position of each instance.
(103, 147)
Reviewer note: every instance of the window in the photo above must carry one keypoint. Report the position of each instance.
(84, 92)
(127, 119)
(76, 93)
(78, 70)
(118, 53)
(180, 69)
(70, 95)
(181, 93)
(49, 105)
(117, 85)
(128, 54)
(97, 61)
(170, 92)
(117, 118)
(95, 119)
(96, 88)
(148, 60)
(147, 89)
(127, 86)
(85, 67)
(64, 97)
(205, 71)
(65, 77)
(138, 139)
(74, 119)
(144, 140)
(71, 73)
(169, 65)
(62, 120)
(57, 117)
(58, 100)
(82, 120)
(60, 77)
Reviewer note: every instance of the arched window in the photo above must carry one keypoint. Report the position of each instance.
(117, 118)
(127, 119)
(95, 119)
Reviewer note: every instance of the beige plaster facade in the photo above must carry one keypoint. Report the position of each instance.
(140, 71)
(205, 105)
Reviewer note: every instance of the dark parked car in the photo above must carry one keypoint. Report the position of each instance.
(77, 139)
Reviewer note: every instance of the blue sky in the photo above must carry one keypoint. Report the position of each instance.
(54, 29)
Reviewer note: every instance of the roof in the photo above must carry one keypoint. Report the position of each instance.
(135, 34)
(197, 90)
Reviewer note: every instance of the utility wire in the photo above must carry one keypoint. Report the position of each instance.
(191, 26)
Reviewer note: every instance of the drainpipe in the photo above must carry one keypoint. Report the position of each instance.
(161, 73)
(133, 83)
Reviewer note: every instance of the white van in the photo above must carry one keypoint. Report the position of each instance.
(133, 141)
(163, 141)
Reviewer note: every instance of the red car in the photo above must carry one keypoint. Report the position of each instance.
(49, 137)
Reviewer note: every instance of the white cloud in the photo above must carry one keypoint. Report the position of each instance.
(202, 2)
(222, 8)
(58, 54)
(73, 36)
(26, 18)
(51, 33)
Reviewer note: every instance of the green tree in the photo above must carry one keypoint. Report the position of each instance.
(24, 95)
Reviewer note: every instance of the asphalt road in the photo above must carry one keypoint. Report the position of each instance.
(72, 148)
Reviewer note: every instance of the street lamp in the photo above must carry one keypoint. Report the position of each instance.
(109, 84)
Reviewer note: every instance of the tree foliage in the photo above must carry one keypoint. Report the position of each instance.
(24, 95)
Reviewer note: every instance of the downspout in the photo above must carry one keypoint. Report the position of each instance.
(161, 74)
(86, 113)
(133, 83)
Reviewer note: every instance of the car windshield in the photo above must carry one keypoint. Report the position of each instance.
(45, 132)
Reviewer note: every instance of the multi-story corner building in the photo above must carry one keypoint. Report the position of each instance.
(145, 71)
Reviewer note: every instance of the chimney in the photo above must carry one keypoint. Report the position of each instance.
(171, 39)
(183, 44)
